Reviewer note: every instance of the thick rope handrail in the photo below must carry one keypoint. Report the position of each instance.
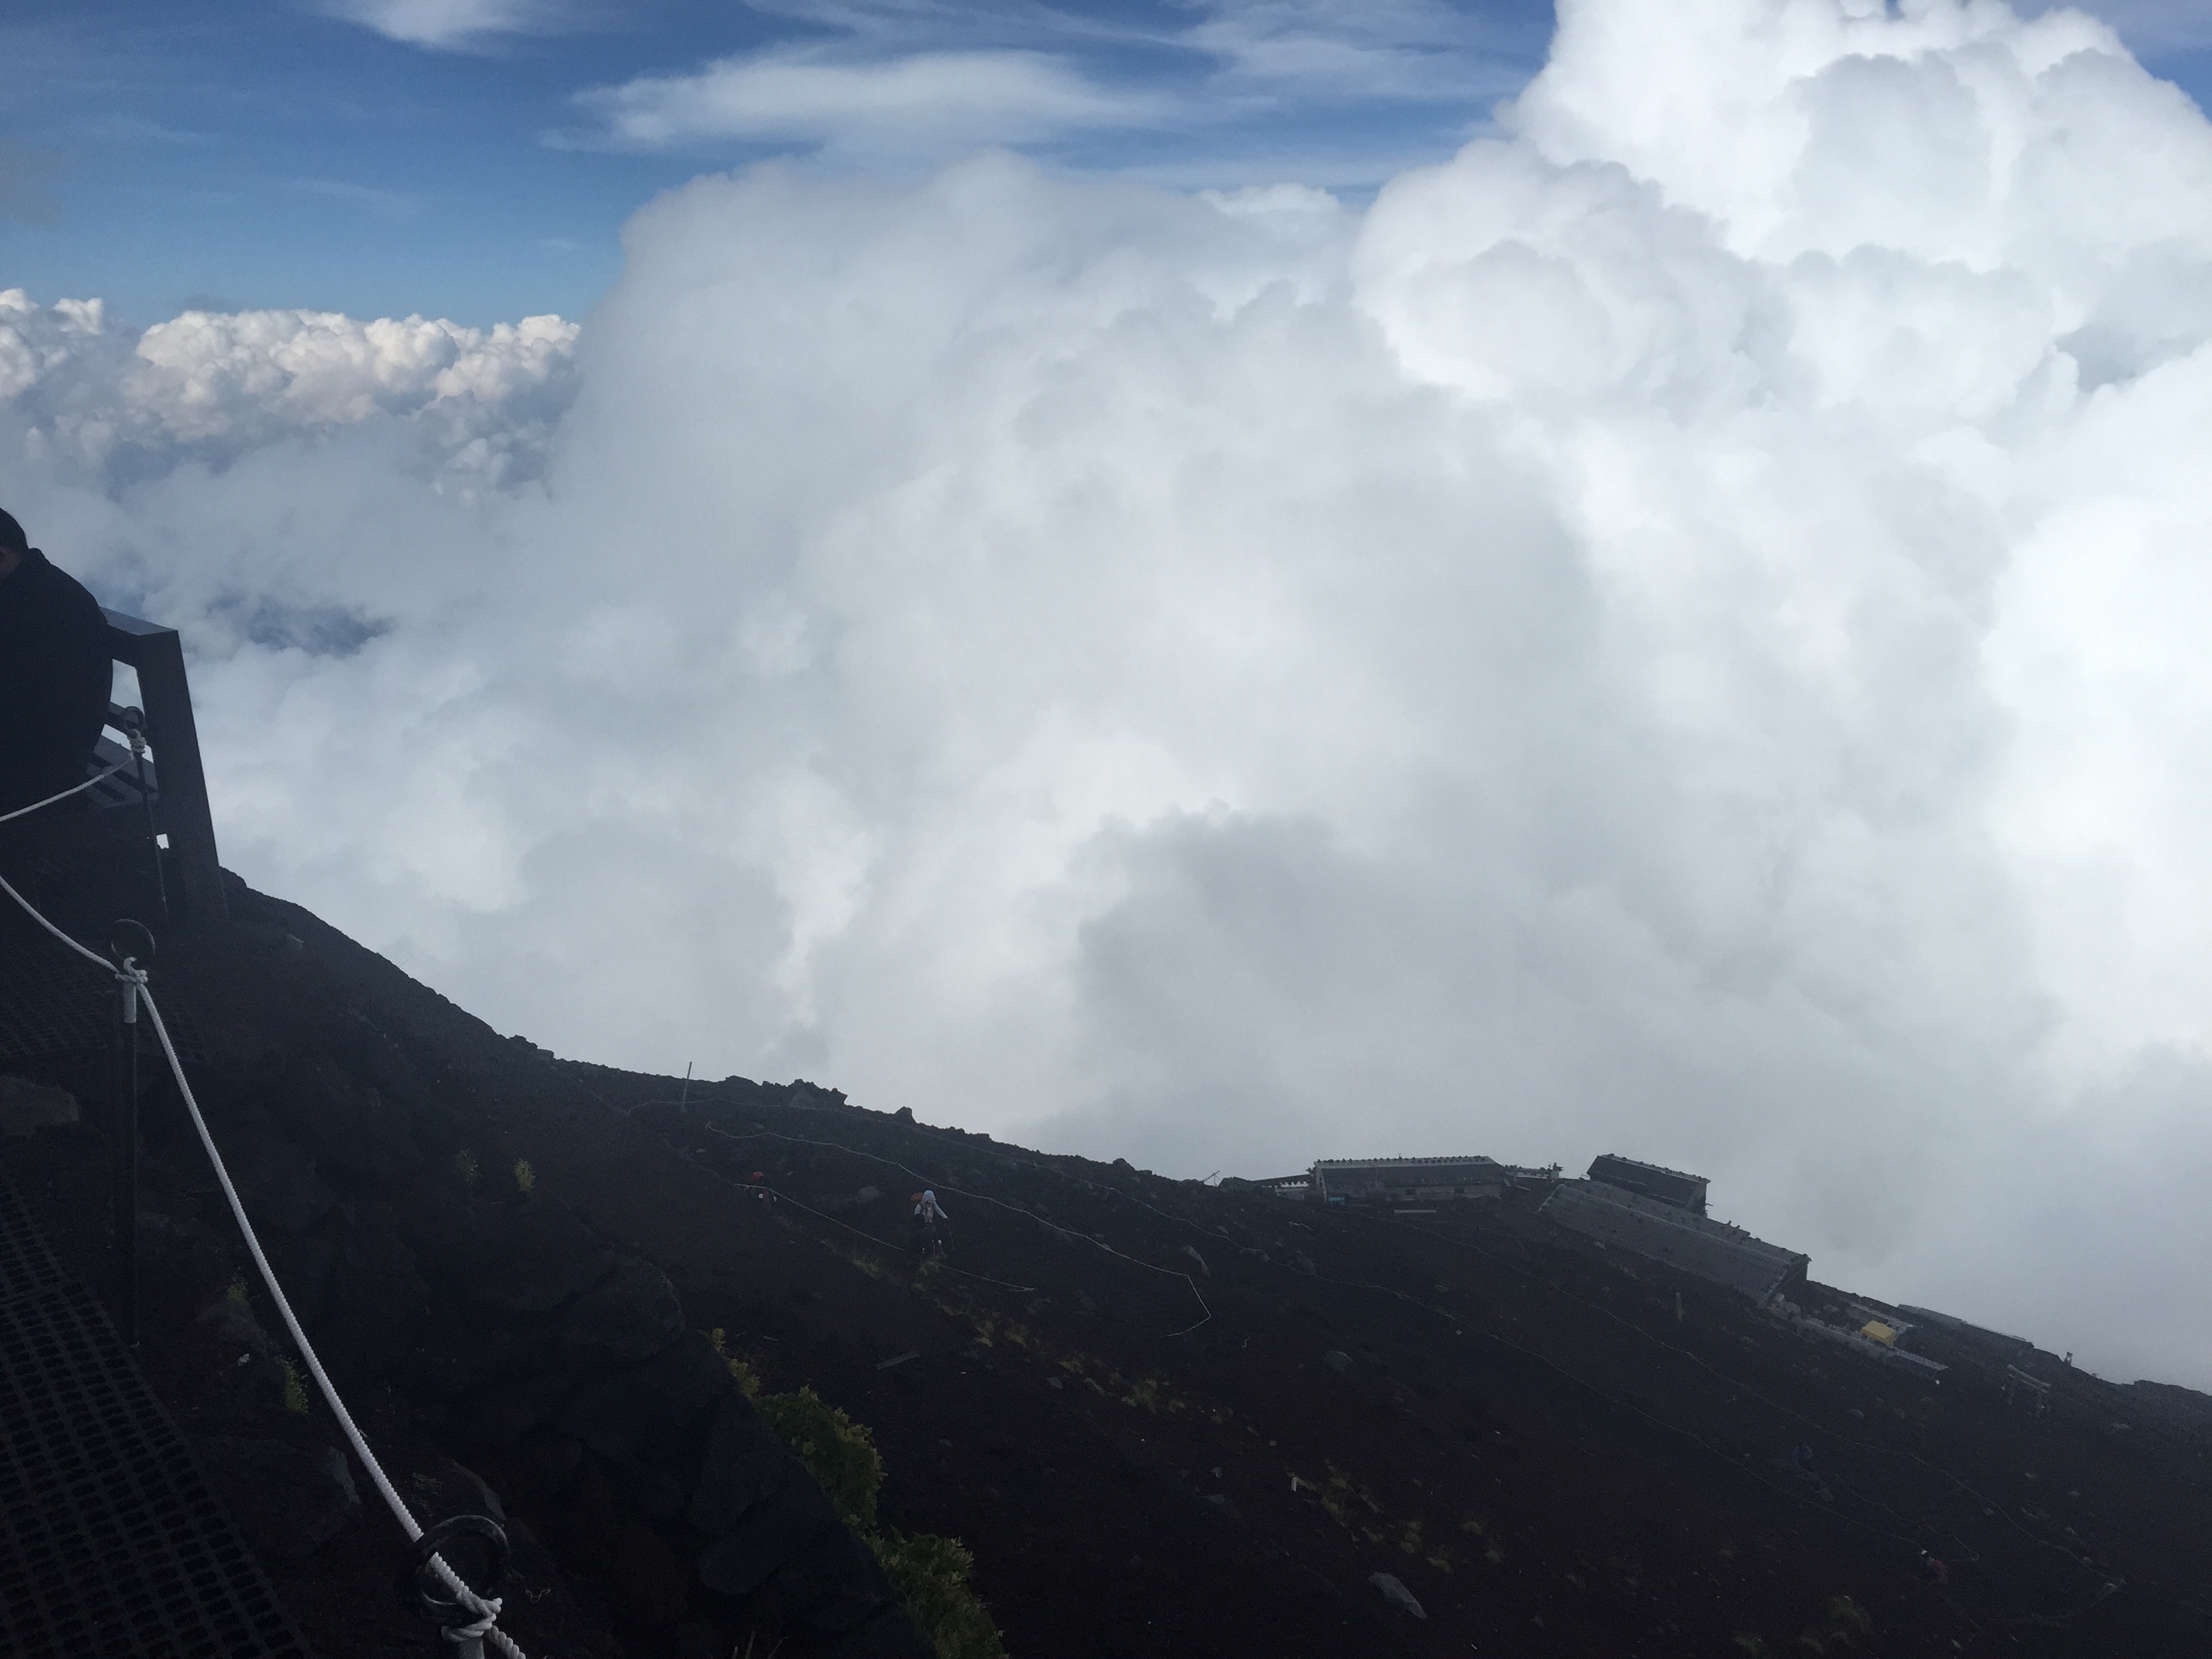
(132, 979)
(485, 1607)
(97, 777)
(92, 956)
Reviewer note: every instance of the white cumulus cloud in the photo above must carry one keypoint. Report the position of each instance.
(104, 396)
(447, 25)
(942, 102)
(1677, 631)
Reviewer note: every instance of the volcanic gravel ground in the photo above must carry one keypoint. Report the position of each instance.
(1522, 1430)
(1175, 1420)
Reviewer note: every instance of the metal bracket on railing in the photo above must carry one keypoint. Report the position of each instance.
(131, 946)
(463, 1626)
(132, 722)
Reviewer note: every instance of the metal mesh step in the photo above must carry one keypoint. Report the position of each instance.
(53, 1002)
(111, 1542)
(26, 1263)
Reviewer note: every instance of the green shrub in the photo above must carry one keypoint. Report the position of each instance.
(1847, 1622)
(840, 1453)
(747, 1379)
(930, 1573)
(931, 1576)
(525, 1178)
(465, 1166)
(295, 1390)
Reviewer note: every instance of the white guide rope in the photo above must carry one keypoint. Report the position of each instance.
(133, 979)
(136, 746)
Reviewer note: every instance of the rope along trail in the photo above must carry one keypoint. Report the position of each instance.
(982, 1198)
(1723, 1458)
(1455, 1320)
(1990, 1503)
(132, 979)
(76, 789)
(782, 1197)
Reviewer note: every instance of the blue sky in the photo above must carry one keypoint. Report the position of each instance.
(476, 159)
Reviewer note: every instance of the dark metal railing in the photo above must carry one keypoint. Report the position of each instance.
(171, 802)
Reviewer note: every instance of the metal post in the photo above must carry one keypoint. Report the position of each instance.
(158, 656)
(133, 724)
(131, 946)
(126, 1153)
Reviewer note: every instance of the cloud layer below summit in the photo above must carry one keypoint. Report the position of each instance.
(1677, 630)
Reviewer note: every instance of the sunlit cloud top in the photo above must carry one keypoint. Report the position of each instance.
(476, 159)
(1671, 621)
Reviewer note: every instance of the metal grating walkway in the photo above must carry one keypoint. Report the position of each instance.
(110, 1543)
(54, 1003)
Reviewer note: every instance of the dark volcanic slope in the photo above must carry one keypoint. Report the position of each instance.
(1532, 1438)
(1169, 1419)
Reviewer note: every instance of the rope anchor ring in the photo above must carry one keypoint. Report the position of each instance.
(442, 1605)
(132, 941)
(470, 1619)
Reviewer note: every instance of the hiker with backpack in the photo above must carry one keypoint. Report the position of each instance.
(929, 1219)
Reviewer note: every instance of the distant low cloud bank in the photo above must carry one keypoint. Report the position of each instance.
(207, 387)
(1678, 630)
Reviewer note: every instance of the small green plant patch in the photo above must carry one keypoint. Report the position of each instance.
(840, 1453)
(931, 1576)
(747, 1379)
(930, 1573)
(1847, 1622)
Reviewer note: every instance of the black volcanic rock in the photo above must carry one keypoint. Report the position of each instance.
(288, 1503)
(305, 1266)
(653, 1493)
(653, 1580)
(743, 1462)
(496, 1354)
(375, 1293)
(350, 1125)
(633, 1315)
(282, 1189)
(835, 1581)
(542, 1255)
(505, 1412)
(449, 1232)
(891, 1634)
(793, 1515)
(647, 1411)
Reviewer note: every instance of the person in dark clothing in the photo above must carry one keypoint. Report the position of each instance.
(56, 670)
